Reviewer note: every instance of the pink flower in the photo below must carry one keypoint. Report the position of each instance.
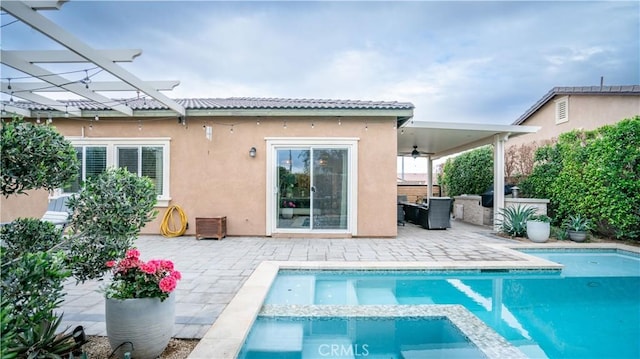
(133, 277)
(133, 253)
(128, 263)
(167, 284)
(167, 265)
(175, 274)
(148, 267)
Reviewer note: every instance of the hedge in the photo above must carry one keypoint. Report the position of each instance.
(594, 174)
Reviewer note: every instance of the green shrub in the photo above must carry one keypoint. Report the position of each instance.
(469, 173)
(108, 214)
(34, 156)
(595, 174)
(33, 284)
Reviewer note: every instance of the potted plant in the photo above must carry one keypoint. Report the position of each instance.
(514, 220)
(140, 309)
(539, 228)
(287, 209)
(577, 227)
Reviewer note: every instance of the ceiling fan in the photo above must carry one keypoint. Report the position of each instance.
(415, 153)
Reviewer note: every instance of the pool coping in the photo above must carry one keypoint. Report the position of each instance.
(227, 334)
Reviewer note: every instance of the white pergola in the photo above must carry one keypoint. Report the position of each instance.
(26, 61)
(435, 140)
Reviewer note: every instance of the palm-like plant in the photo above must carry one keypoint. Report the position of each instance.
(514, 220)
(43, 341)
(577, 223)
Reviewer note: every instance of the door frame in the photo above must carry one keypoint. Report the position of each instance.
(273, 143)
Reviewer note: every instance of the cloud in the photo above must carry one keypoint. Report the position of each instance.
(456, 61)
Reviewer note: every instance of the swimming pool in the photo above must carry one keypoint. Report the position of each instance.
(573, 313)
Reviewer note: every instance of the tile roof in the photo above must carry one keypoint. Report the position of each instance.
(232, 103)
(633, 90)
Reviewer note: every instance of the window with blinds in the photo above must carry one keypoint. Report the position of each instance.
(93, 160)
(141, 156)
(143, 161)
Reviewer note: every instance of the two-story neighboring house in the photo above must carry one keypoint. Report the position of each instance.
(567, 108)
(564, 109)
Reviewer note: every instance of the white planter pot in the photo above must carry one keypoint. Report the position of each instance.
(538, 231)
(286, 213)
(145, 322)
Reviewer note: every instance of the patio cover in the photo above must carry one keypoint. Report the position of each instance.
(439, 139)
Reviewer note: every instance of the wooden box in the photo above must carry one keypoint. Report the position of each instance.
(212, 227)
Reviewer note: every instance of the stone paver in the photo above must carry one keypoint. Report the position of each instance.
(213, 271)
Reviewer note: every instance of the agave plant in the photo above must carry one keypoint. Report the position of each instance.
(43, 342)
(577, 223)
(514, 220)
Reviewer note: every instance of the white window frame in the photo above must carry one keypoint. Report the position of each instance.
(560, 105)
(112, 144)
(273, 143)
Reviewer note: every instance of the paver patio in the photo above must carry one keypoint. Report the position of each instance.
(213, 271)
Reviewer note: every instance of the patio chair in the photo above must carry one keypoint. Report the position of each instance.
(57, 212)
(437, 215)
(400, 214)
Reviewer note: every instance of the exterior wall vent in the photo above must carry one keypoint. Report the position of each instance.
(562, 110)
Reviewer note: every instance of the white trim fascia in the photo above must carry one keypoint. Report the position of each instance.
(481, 127)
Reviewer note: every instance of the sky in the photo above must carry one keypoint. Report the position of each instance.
(456, 61)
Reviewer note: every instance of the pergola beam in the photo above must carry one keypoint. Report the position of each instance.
(16, 110)
(23, 12)
(94, 86)
(66, 56)
(46, 4)
(59, 106)
(45, 75)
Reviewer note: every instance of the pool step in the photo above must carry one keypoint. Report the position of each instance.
(438, 351)
(293, 290)
(330, 347)
(376, 296)
(272, 337)
(335, 292)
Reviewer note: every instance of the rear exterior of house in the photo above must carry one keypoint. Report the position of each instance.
(321, 167)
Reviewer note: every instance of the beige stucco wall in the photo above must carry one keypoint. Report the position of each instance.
(587, 112)
(218, 177)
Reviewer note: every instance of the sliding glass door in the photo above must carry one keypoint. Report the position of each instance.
(312, 188)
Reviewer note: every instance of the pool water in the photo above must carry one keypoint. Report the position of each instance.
(590, 309)
(389, 338)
